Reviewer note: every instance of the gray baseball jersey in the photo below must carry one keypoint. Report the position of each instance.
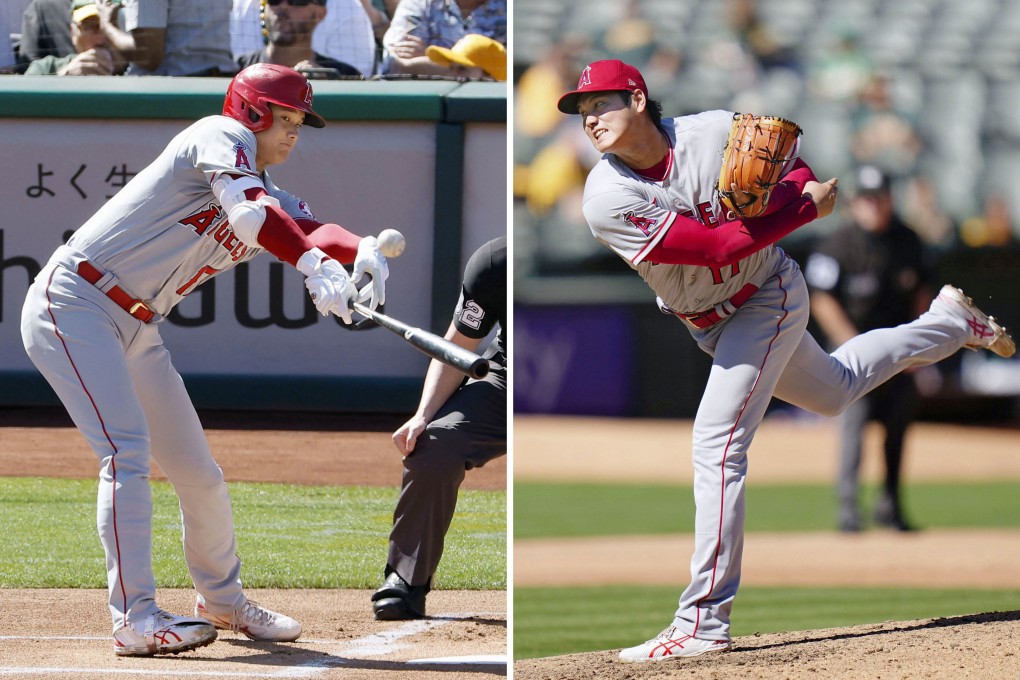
(631, 215)
(158, 238)
(165, 233)
(760, 346)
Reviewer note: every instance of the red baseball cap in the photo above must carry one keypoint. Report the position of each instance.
(603, 76)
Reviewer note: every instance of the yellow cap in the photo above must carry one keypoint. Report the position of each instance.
(82, 10)
(473, 50)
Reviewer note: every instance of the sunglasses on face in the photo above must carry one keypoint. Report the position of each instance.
(295, 3)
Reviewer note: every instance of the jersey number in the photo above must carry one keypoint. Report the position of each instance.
(203, 274)
(472, 315)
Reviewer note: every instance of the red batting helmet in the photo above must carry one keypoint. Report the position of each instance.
(255, 87)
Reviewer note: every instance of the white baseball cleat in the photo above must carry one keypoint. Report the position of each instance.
(985, 331)
(672, 643)
(255, 621)
(162, 633)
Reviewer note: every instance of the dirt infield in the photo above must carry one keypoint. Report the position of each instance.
(65, 633)
(309, 449)
(642, 451)
(980, 647)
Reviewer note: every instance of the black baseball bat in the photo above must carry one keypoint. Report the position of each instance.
(431, 344)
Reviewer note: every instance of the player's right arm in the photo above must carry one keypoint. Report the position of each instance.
(687, 241)
(258, 220)
(824, 275)
(441, 381)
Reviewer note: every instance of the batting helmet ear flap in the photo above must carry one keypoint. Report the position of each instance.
(253, 116)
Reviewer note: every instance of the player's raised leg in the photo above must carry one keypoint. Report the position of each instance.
(826, 383)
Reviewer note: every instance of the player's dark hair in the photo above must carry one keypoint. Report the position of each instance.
(653, 108)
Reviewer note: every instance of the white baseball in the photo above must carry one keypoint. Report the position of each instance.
(391, 242)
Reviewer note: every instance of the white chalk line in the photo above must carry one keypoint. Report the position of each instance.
(134, 671)
(377, 644)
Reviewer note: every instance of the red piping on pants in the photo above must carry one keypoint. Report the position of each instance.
(113, 465)
(722, 486)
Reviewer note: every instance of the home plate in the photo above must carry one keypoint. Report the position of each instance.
(478, 659)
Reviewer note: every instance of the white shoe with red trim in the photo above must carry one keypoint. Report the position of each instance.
(255, 621)
(162, 633)
(985, 331)
(672, 643)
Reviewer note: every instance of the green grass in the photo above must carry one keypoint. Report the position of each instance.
(552, 621)
(552, 510)
(288, 536)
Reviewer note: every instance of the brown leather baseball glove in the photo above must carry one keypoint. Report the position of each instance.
(757, 150)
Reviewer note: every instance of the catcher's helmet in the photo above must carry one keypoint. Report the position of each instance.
(255, 87)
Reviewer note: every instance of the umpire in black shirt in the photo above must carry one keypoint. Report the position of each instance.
(460, 424)
(872, 272)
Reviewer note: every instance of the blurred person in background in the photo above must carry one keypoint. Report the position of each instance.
(379, 14)
(344, 35)
(92, 57)
(630, 38)
(883, 133)
(872, 272)
(46, 30)
(290, 26)
(418, 24)
(7, 61)
(473, 57)
(993, 227)
(170, 37)
(839, 74)
(758, 37)
(922, 210)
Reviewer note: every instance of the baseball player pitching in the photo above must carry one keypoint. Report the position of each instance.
(659, 200)
(90, 324)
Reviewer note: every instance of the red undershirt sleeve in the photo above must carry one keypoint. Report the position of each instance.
(289, 239)
(334, 240)
(688, 241)
(791, 186)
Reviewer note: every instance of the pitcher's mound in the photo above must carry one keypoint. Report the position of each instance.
(973, 646)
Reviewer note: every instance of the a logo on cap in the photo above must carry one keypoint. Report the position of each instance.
(585, 79)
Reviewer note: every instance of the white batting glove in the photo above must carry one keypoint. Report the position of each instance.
(370, 261)
(328, 284)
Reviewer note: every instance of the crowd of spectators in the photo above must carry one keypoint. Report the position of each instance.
(352, 39)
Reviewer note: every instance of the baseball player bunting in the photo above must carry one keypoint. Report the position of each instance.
(654, 200)
(90, 323)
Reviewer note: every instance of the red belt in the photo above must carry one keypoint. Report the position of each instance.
(713, 316)
(133, 306)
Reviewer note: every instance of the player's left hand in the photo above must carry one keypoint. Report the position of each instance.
(372, 262)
